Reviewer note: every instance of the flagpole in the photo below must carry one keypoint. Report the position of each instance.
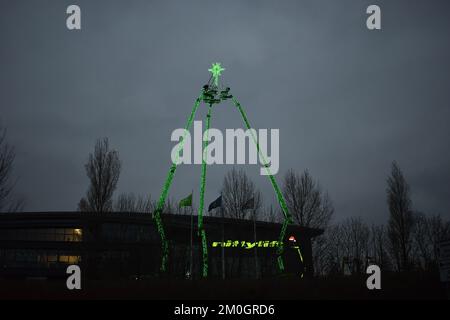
(223, 236)
(256, 248)
(192, 223)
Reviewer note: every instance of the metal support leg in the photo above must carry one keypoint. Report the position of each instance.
(281, 201)
(201, 229)
(165, 191)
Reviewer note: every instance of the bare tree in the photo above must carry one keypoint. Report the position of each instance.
(401, 221)
(171, 207)
(438, 230)
(7, 156)
(349, 246)
(103, 170)
(330, 253)
(309, 206)
(356, 243)
(270, 215)
(421, 242)
(378, 243)
(322, 257)
(128, 202)
(240, 200)
(427, 233)
(237, 190)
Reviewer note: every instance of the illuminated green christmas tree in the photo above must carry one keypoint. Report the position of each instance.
(211, 94)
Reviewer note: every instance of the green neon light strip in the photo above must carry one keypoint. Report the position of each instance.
(205, 254)
(301, 259)
(201, 229)
(166, 187)
(300, 254)
(281, 201)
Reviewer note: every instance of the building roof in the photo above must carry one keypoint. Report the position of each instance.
(71, 219)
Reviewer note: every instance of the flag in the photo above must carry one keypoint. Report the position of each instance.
(250, 204)
(215, 204)
(186, 202)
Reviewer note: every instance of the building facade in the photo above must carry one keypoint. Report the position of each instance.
(127, 245)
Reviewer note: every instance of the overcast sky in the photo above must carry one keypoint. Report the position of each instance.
(347, 101)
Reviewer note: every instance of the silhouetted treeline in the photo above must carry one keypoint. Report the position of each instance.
(8, 202)
(409, 241)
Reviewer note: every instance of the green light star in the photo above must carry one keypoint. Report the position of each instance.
(216, 70)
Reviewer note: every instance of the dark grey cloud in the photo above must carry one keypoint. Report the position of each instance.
(347, 101)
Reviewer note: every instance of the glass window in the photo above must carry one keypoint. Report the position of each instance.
(42, 234)
(78, 234)
(74, 259)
